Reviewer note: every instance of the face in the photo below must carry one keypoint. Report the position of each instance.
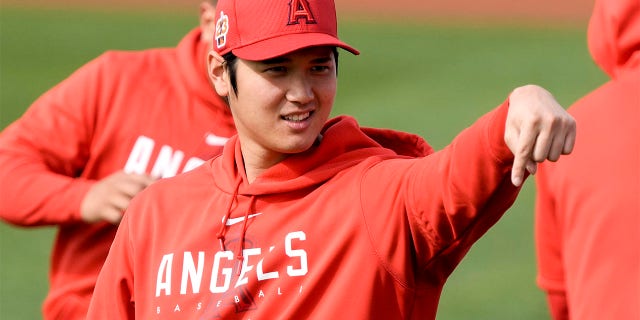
(207, 20)
(282, 103)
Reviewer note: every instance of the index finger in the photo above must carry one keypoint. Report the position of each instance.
(522, 155)
(132, 184)
(141, 179)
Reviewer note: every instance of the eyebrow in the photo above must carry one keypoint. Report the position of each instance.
(275, 60)
(322, 59)
(278, 60)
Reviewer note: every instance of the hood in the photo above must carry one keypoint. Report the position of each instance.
(614, 35)
(343, 144)
(192, 59)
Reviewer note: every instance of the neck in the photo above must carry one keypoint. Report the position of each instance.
(256, 163)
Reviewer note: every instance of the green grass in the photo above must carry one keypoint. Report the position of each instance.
(427, 79)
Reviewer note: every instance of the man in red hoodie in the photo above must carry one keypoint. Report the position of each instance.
(588, 205)
(302, 217)
(87, 146)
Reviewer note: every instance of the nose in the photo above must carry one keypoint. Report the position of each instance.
(300, 90)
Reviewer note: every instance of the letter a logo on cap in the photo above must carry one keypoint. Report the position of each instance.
(299, 9)
(222, 27)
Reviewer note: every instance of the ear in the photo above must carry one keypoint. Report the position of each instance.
(217, 73)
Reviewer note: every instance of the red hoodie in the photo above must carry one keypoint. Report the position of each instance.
(149, 112)
(588, 203)
(367, 224)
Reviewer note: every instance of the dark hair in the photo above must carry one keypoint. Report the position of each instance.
(230, 60)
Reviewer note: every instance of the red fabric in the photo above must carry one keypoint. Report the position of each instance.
(558, 305)
(614, 35)
(324, 239)
(587, 206)
(84, 129)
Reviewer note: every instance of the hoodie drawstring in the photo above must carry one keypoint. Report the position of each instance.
(239, 255)
(223, 227)
(221, 233)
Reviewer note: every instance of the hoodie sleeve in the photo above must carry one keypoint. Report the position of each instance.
(43, 153)
(445, 201)
(113, 294)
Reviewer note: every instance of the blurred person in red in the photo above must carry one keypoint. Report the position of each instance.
(588, 204)
(87, 146)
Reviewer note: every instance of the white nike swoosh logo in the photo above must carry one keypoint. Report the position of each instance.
(232, 221)
(213, 140)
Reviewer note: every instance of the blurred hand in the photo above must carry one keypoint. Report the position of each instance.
(537, 129)
(108, 198)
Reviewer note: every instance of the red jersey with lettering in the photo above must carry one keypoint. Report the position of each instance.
(588, 203)
(366, 224)
(149, 111)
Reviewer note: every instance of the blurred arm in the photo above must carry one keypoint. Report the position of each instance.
(43, 153)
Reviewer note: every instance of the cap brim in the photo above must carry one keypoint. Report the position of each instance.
(278, 46)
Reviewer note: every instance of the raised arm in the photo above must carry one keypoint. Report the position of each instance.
(451, 198)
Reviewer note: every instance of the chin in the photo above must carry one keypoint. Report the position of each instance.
(300, 147)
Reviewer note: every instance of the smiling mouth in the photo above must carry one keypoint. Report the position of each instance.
(298, 117)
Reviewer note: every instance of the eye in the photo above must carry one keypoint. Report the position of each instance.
(276, 69)
(321, 68)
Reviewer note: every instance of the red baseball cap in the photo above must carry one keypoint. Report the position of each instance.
(263, 29)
